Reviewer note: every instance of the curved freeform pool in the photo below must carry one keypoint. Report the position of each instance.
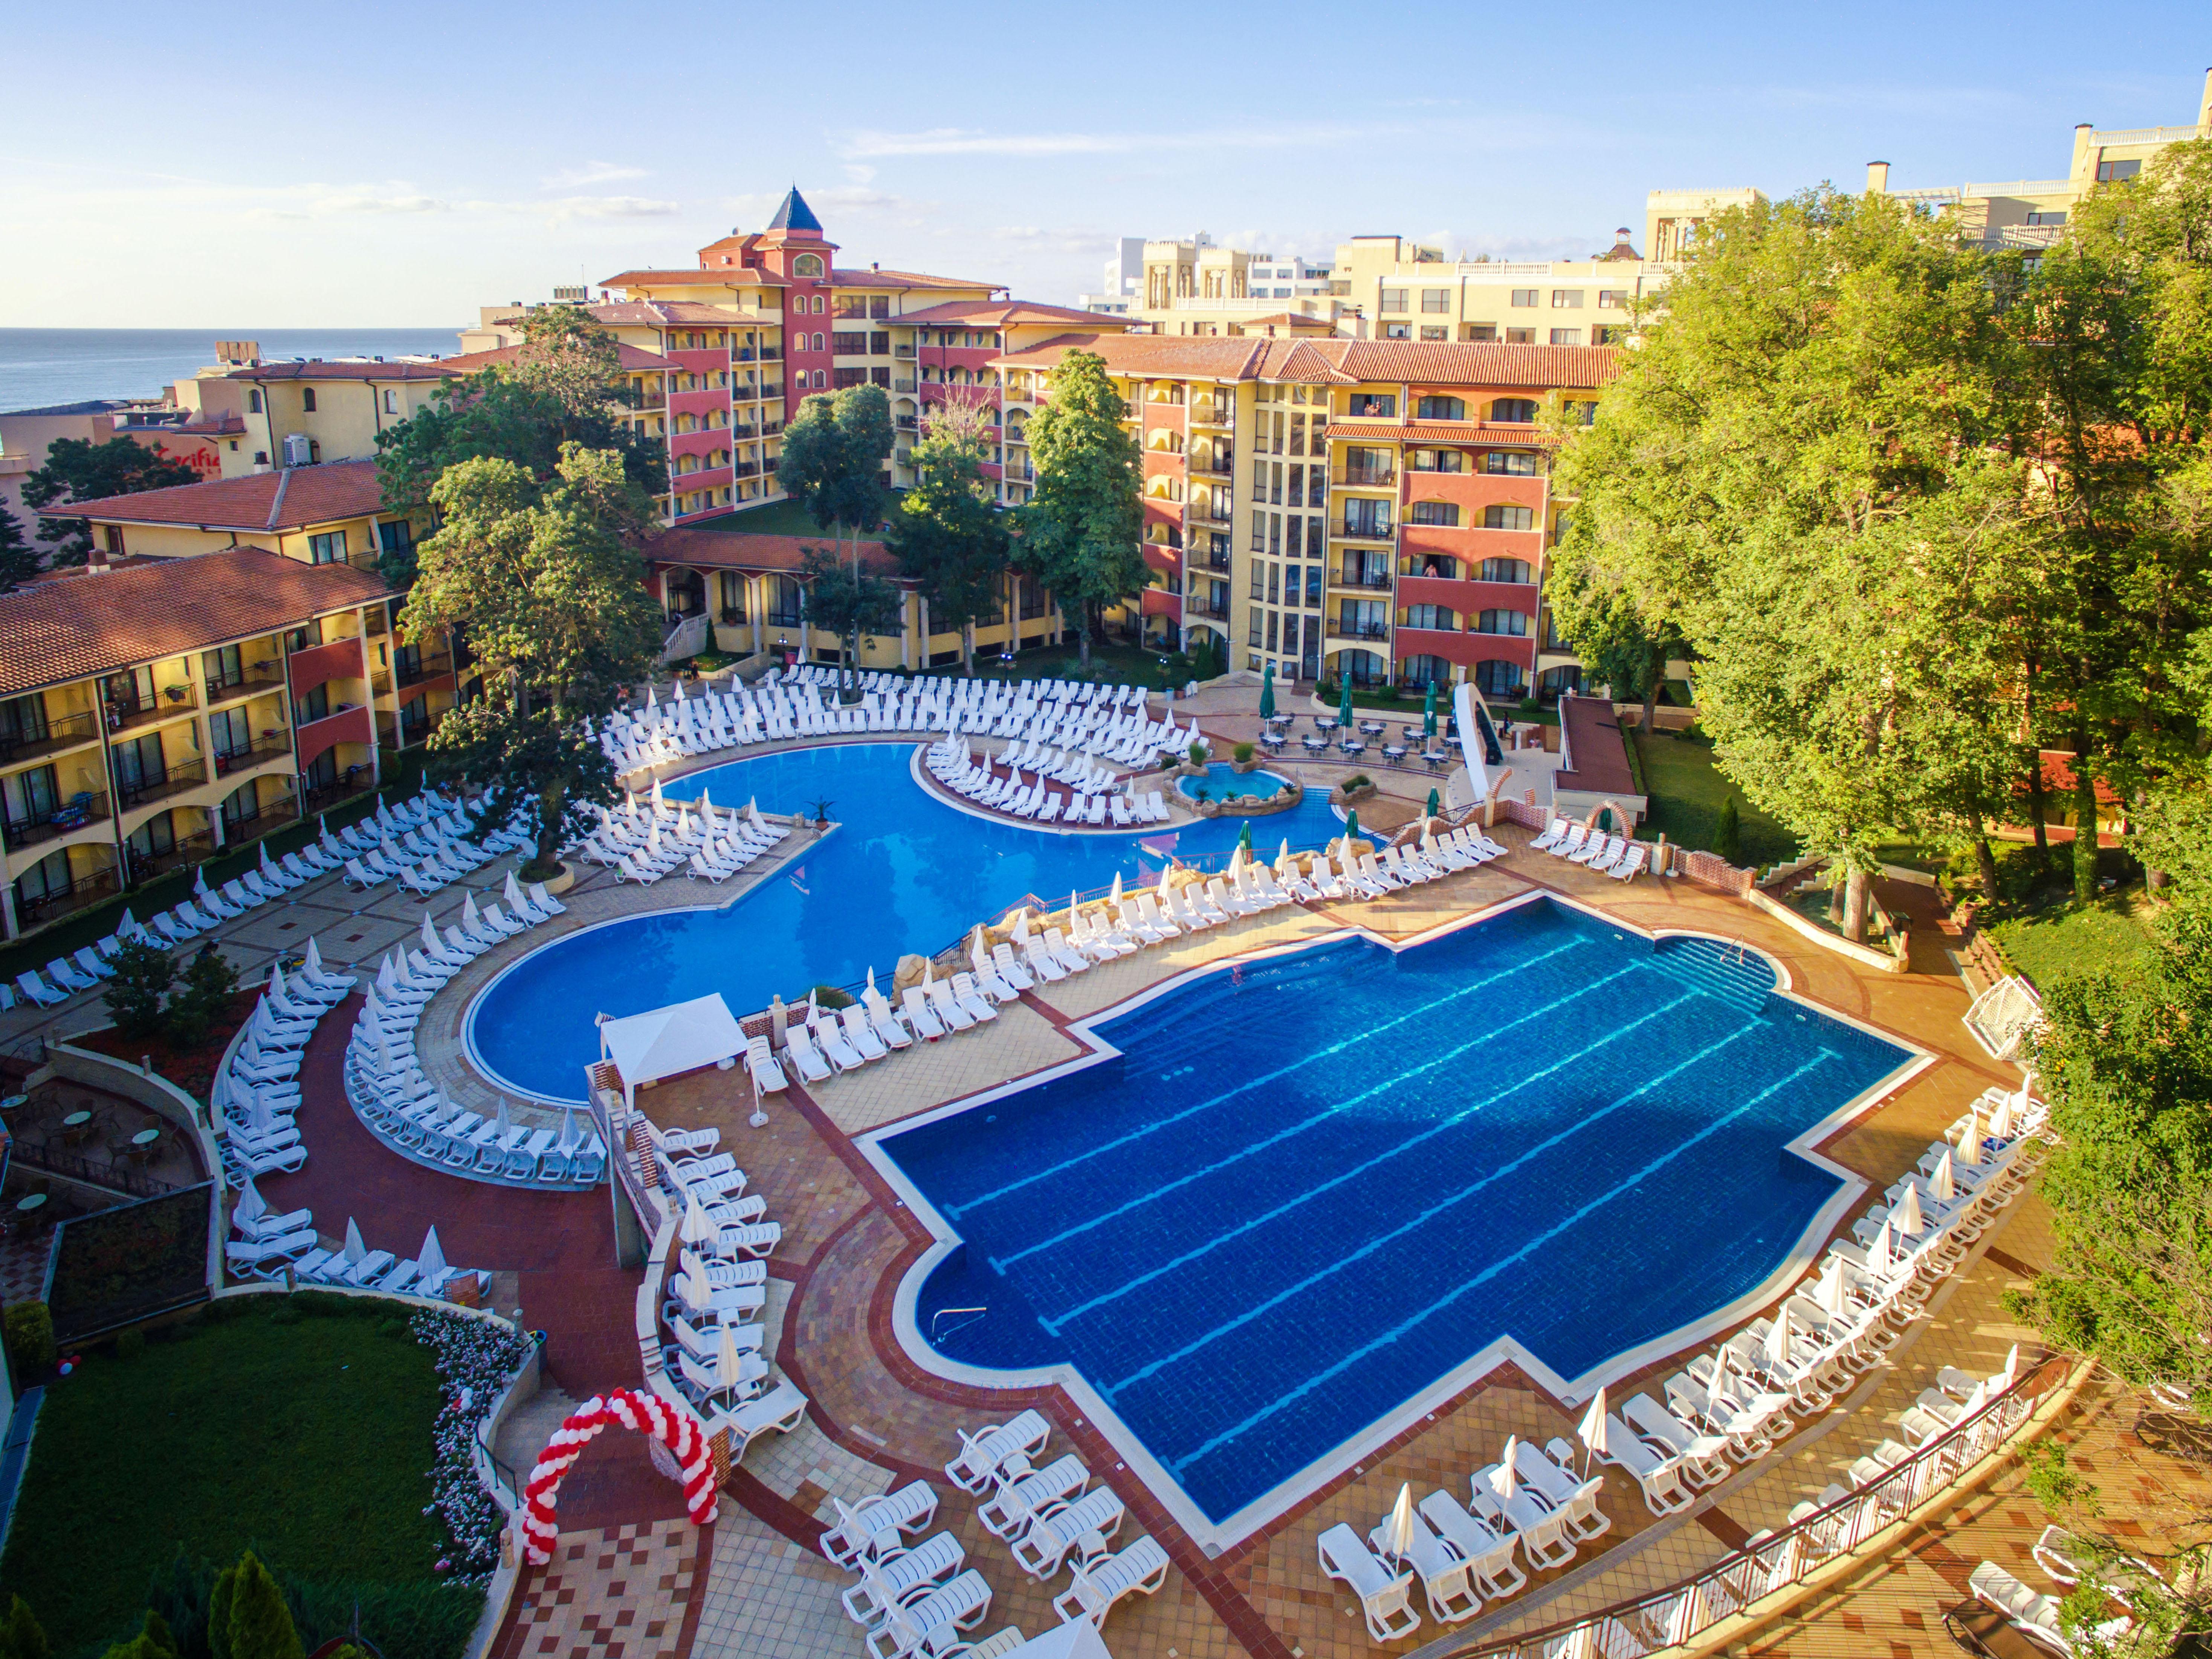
(1221, 780)
(1313, 1190)
(903, 872)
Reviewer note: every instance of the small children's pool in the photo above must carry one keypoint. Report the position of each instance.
(1221, 780)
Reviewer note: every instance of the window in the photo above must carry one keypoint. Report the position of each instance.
(879, 344)
(1368, 518)
(1605, 337)
(1567, 337)
(1424, 670)
(848, 377)
(1613, 299)
(244, 805)
(1258, 591)
(1441, 409)
(1394, 299)
(1436, 298)
(1515, 409)
(1371, 405)
(808, 264)
(2046, 218)
(1443, 513)
(1435, 332)
(1435, 460)
(1313, 571)
(1274, 625)
(879, 304)
(1485, 332)
(1507, 518)
(306, 637)
(817, 372)
(328, 549)
(312, 706)
(307, 398)
(1274, 586)
(1566, 299)
(849, 343)
(852, 305)
(391, 401)
(1397, 330)
(1431, 615)
(1520, 336)
(1258, 537)
(817, 342)
(2111, 173)
(1582, 414)
(1503, 622)
(1500, 679)
(1505, 570)
(1524, 296)
(1510, 463)
(1252, 631)
(253, 402)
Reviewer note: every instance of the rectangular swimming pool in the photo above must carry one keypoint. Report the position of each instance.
(1310, 1187)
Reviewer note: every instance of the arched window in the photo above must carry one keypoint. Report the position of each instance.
(806, 264)
(253, 402)
(307, 398)
(1513, 409)
(1444, 514)
(1514, 622)
(1363, 667)
(1441, 409)
(1424, 670)
(818, 342)
(1432, 615)
(1555, 682)
(820, 305)
(1505, 570)
(1513, 463)
(1500, 679)
(1429, 564)
(819, 377)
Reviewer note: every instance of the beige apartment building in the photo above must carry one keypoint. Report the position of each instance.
(1375, 509)
(153, 714)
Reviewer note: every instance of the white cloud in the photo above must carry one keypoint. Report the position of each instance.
(859, 174)
(592, 173)
(359, 203)
(604, 207)
(962, 141)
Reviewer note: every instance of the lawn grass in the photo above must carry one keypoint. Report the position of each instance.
(307, 1439)
(1687, 792)
(2069, 938)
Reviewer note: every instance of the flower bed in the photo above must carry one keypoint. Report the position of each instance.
(475, 1359)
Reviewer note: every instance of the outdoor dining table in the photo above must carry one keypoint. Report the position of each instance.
(77, 1120)
(1395, 753)
(1436, 761)
(1353, 746)
(1315, 746)
(145, 1137)
(1370, 728)
(1325, 723)
(12, 1102)
(30, 1201)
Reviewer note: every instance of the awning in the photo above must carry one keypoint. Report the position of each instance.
(664, 1043)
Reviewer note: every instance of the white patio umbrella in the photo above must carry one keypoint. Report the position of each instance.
(1969, 1137)
(1909, 1219)
(199, 882)
(629, 805)
(1882, 1252)
(314, 956)
(698, 1225)
(2000, 1120)
(1115, 897)
(2004, 1378)
(1398, 1530)
(1832, 1294)
(1716, 1408)
(250, 1201)
(680, 690)
(470, 916)
(872, 975)
(383, 1058)
(1508, 1477)
(276, 979)
(570, 1140)
(506, 1120)
(1022, 925)
(355, 1250)
(429, 936)
(1592, 1431)
(1943, 1183)
(658, 799)
(1975, 1401)
(430, 1260)
(729, 1363)
(267, 863)
(1691, 1614)
(1778, 1341)
(1581, 1644)
(707, 806)
(651, 698)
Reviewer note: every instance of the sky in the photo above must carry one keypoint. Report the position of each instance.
(402, 164)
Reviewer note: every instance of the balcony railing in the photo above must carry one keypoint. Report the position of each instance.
(771, 354)
(903, 352)
(343, 789)
(62, 732)
(1210, 562)
(1379, 581)
(247, 756)
(1219, 466)
(425, 668)
(1217, 610)
(1204, 513)
(904, 383)
(772, 389)
(1364, 477)
(258, 677)
(1367, 530)
(185, 775)
(748, 469)
(1208, 411)
(1350, 628)
(187, 849)
(86, 806)
(126, 717)
(80, 892)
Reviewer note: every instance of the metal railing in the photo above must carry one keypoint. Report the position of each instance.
(264, 676)
(1674, 1616)
(71, 1167)
(79, 893)
(185, 775)
(1378, 582)
(127, 717)
(425, 668)
(1378, 477)
(1369, 530)
(249, 755)
(188, 849)
(1341, 627)
(84, 806)
(62, 732)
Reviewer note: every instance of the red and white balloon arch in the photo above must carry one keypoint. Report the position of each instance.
(644, 1413)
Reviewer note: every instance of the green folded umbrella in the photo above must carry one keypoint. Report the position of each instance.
(1267, 693)
(1351, 824)
(1244, 840)
(1344, 706)
(1429, 710)
(1433, 803)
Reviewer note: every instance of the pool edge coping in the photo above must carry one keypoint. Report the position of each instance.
(1316, 1477)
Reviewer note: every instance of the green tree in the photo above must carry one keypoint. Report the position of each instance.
(210, 984)
(1081, 534)
(259, 1625)
(80, 470)
(20, 1634)
(143, 972)
(565, 386)
(1622, 628)
(221, 1597)
(1805, 472)
(832, 462)
(542, 579)
(1728, 834)
(950, 538)
(19, 560)
(847, 601)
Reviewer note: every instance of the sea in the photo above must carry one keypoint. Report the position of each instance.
(40, 368)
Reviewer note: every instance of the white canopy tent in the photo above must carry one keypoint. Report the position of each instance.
(668, 1042)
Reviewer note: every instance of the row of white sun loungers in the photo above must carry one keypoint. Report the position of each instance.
(257, 1093)
(915, 1595)
(2038, 1615)
(643, 845)
(269, 1244)
(1609, 855)
(950, 763)
(430, 857)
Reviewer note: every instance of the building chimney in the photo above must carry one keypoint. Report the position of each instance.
(1877, 178)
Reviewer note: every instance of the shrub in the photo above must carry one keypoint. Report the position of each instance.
(1243, 752)
(1728, 834)
(260, 1624)
(21, 1636)
(210, 984)
(1197, 753)
(1358, 781)
(30, 1338)
(129, 1344)
(828, 996)
(142, 973)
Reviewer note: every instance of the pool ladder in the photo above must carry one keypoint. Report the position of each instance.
(936, 1320)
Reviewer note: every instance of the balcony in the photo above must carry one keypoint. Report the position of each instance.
(83, 891)
(1364, 477)
(772, 389)
(338, 659)
(771, 354)
(186, 850)
(903, 353)
(1210, 562)
(1365, 530)
(1215, 608)
(62, 732)
(430, 668)
(1211, 411)
(1352, 627)
(258, 677)
(342, 724)
(1209, 512)
(84, 807)
(903, 423)
(126, 717)
(247, 756)
(905, 383)
(185, 775)
(747, 469)
(1219, 466)
(1375, 581)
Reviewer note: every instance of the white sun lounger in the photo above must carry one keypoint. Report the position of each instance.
(1385, 1600)
(984, 1453)
(1140, 1569)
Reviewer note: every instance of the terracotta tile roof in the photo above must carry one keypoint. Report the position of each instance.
(718, 276)
(290, 498)
(1599, 751)
(701, 545)
(841, 277)
(321, 368)
(1334, 362)
(635, 359)
(995, 314)
(1280, 318)
(1440, 432)
(55, 631)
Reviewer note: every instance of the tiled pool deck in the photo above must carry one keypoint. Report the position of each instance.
(878, 1419)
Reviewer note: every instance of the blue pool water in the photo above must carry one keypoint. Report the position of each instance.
(1310, 1187)
(1222, 779)
(904, 872)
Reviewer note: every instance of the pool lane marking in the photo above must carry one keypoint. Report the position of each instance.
(1496, 1268)
(1429, 1133)
(1402, 1229)
(1372, 1032)
(1336, 1106)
